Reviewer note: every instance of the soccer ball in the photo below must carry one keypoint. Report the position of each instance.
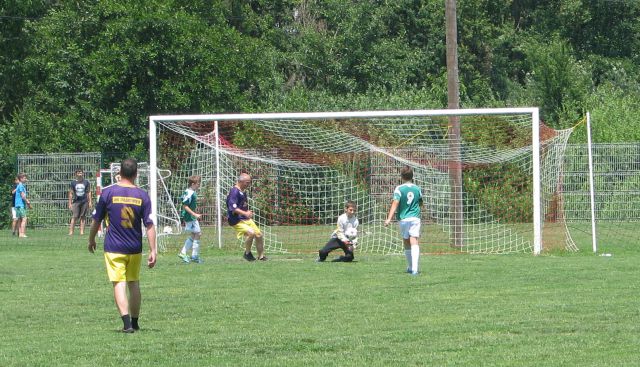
(351, 233)
(167, 230)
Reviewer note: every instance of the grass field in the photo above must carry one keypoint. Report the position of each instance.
(463, 310)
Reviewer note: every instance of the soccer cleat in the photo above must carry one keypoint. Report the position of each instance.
(249, 257)
(264, 258)
(196, 259)
(409, 270)
(319, 260)
(129, 330)
(184, 257)
(414, 273)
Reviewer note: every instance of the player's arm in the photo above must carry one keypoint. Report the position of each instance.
(95, 226)
(70, 196)
(89, 197)
(392, 211)
(247, 213)
(341, 228)
(354, 241)
(234, 208)
(149, 223)
(23, 195)
(97, 217)
(190, 211)
(153, 251)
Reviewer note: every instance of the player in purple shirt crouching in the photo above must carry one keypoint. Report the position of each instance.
(241, 219)
(125, 207)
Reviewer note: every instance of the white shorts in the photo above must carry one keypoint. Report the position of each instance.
(14, 216)
(193, 227)
(410, 227)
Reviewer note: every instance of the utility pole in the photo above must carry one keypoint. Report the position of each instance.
(453, 96)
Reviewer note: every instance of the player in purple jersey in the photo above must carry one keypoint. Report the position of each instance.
(240, 218)
(125, 208)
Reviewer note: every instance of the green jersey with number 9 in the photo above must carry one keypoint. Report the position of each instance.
(409, 198)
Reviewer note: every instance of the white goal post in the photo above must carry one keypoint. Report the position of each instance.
(413, 119)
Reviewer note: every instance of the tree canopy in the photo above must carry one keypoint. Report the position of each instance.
(77, 75)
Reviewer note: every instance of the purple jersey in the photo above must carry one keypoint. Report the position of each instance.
(236, 200)
(125, 209)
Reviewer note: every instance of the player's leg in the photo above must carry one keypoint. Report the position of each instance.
(248, 242)
(23, 225)
(74, 217)
(195, 239)
(260, 246)
(258, 238)
(414, 233)
(18, 226)
(406, 242)
(331, 245)
(188, 243)
(14, 221)
(122, 303)
(348, 253)
(83, 215)
(246, 232)
(122, 269)
(404, 232)
(132, 275)
(120, 296)
(135, 300)
(415, 254)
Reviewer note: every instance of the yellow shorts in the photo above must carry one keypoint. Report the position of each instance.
(123, 268)
(247, 226)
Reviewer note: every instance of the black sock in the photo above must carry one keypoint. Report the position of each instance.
(134, 323)
(126, 319)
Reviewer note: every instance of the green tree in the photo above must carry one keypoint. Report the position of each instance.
(98, 69)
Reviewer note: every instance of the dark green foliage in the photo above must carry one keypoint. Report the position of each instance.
(76, 75)
(504, 191)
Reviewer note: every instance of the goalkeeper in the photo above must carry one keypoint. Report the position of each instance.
(345, 235)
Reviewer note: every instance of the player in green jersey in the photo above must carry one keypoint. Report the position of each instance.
(406, 204)
(190, 217)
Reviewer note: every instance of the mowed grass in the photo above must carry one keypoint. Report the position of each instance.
(463, 310)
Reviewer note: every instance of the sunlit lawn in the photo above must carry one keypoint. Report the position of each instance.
(557, 309)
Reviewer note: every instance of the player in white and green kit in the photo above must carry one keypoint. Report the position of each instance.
(190, 217)
(407, 201)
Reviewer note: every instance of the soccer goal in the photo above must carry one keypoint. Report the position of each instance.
(167, 219)
(49, 178)
(490, 177)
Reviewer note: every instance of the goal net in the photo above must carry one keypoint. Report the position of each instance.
(49, 178)
(616, 178)
(167, 219)
(489, 177)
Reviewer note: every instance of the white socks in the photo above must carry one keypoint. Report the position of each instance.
(196, 248)
(407, 254)
(415, 257)
(190, 243)
(187, 246)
